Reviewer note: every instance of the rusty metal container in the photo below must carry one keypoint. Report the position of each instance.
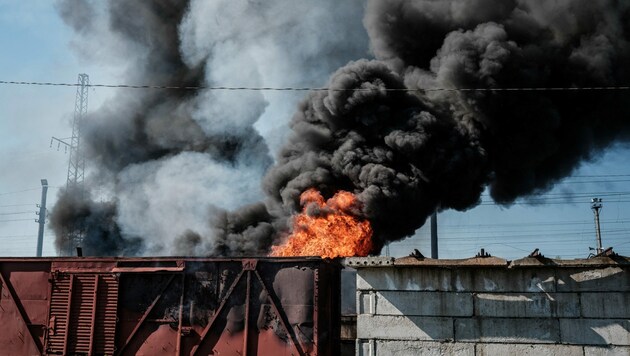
(169, 306)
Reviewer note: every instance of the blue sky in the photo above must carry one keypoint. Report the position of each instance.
(37, 46)
(559, 223)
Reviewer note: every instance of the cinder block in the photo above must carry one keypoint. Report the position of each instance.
(413, 279)
(510, 330)
(371, 261)
(413, 348)
(416, 303)
(528, 350)
(595, 331)
(605, 305)
(606, 351)
(520, 305)
(389, 327)
(533, 280)
(610, 279)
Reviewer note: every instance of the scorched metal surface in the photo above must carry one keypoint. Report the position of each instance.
(169, 306)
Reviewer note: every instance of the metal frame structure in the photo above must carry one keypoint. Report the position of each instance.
(191, 306)
(76, 162)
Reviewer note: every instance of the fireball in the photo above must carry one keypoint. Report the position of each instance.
(327, 228)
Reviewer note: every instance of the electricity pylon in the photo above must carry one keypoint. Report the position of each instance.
(76, 163)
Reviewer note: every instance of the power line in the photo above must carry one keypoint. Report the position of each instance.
(593, 181)
(600, 176)
(17, 213)
(534, 223)
(533, 238)
(19, 191)
(572, 195)
(502, 233)
(15, 220)
(465, 230)
(8, 236)
(543, 202)
(15, 205)
(568, 198)
(611, 239)
(554, 197)
(230, 88)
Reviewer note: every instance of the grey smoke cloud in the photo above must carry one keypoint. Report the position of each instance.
(405, 154)
(534, 139)
(78, 210)
(400, 156)
(176, 162)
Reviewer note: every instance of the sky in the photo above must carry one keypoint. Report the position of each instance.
(38, 46)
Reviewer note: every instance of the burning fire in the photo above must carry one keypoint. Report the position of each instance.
(324, 228)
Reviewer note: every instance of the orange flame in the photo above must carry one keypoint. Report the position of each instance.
(329, 233)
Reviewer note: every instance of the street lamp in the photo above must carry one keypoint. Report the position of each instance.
(596, 205)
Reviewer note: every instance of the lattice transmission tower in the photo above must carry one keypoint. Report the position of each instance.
(76, 163)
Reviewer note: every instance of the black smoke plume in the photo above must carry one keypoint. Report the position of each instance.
(137, 127)
(408, 154)
(404, 153)
(93, 223)
(173, 164)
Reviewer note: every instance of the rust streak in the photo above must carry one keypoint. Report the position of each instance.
(146, 314)
(206, 330)
(23, 318)
(181, 317)
(282, 316)
(247, 295)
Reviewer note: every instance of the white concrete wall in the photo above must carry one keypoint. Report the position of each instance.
(522, 308)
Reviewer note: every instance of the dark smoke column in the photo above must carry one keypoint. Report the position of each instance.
(175, 164)
(137, 134)
(401, 157)
(403, 153)
(532, 139)
(406, 154)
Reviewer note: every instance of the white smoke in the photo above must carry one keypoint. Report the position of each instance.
(178, 158)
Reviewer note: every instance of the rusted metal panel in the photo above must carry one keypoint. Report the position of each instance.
(148, 306)
(14, 315)
(246, 307)
(106, 315)
(23, 306)
(82, 266)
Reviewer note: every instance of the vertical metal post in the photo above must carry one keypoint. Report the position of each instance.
(94, 311)
(596, 205)
(42, 218)
(178, 349)
(434, 235)
(246, 331)
(66, 335)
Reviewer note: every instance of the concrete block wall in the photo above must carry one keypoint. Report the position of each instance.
(492, 307)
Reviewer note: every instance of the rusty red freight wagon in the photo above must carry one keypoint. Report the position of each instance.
(169, 306)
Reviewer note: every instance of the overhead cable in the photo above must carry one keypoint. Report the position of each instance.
(251, 88)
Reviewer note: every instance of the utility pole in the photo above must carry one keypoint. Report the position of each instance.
(42, 218)
(76, 163)
(434, 235)
(596, 206)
